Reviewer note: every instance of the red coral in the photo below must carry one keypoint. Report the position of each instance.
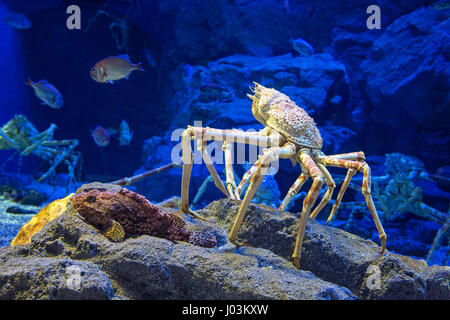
(136, 215)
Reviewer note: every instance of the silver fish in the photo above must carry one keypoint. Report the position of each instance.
(18, 21)
(47, 93)
(303, 48)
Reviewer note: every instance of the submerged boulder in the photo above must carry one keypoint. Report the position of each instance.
(147, 267)
(206, 30)
(407, 77)
(416, 85)
(69, 258)
(337, 256)
(48, 278)
(216, 93)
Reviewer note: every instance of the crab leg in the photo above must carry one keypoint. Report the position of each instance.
(273, 139)
(327, 197)
(293, 190)
(366, 191)
(437, 238)
(246, 178)
(202, 135)
(229, 137)
(337, 203)
(231, 183)
(209, 164)
(234, 136)
(354, 166)
(317, 176)
(269, 155)
(358, 156)
(188, 160)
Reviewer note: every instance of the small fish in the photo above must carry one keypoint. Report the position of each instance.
(113, 68)
(47, 93)
(18, 21)
(101, 136)
(125, 135)
(443, 5)
(303, 48)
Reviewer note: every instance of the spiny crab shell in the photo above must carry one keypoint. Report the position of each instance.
(277, 111)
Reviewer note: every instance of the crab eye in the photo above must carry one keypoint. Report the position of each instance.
(94, 70)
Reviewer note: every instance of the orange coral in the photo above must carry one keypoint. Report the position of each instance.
(43, 217)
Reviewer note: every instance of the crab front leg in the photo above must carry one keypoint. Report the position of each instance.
(269, 155)
(188, 161)
(318, 179)
(203, 135)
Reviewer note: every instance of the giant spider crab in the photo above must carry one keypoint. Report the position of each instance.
(289, 133)
(21, 135)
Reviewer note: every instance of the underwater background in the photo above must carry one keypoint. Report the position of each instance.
(382, 91)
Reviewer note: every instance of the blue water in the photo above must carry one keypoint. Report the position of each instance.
(382, 91)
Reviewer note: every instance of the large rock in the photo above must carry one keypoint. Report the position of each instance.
(147, 267)
(49, 278)
(337, 256)
(335, 263)
(407, 77)
(206, 30)
(216, 94)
